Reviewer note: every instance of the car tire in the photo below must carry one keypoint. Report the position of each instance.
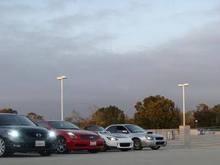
(45, 153)
(105, 148)
(61, 146)
(137, 144)
(155, 147)
(93, 151)
(3, 149)
(125, 149)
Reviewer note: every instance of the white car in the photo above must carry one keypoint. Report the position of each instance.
(121, 142)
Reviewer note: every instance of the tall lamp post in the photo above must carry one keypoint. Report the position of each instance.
(184, 106)
(61, 78)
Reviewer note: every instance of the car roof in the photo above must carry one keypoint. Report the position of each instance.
(119, 125)
(10, 114)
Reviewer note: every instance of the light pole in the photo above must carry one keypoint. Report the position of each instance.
(61, 78)
(184, 106)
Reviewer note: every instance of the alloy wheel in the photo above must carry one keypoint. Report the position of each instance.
(2, 147)
(61, 145)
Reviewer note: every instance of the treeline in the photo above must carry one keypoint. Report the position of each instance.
(154, 112)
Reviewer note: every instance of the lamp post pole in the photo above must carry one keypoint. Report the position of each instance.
(184, 104)
(61, 78)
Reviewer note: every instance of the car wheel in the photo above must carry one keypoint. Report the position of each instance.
(93, 151)
(155, 147)
(45, 153)
(105, 148)
(137, 144)
(2, 147)
(125, 149)
(61, 146)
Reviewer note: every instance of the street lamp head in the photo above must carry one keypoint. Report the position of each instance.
(182, 85)
(61, 77)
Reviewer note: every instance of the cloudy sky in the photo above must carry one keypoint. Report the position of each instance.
(113, 52)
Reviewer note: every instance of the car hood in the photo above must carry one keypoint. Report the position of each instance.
(25, 128)
(80, 132)
(101, 133)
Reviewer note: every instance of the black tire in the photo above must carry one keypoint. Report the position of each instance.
(3, 148)
(137, 144)
(61, 146)
(125, 149)
(105, 148)
(155, 147)
(93, 151)
(45, 153)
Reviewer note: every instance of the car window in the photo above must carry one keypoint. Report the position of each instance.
(121, 129)
(43, 124)
(135, 129)
(63, 125)
(112, 129)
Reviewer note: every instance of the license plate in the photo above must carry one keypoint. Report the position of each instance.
(92, 143)
(39, 143)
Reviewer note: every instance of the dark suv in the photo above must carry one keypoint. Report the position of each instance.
(19, 134)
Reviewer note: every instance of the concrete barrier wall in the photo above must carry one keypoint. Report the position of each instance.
(172, 134)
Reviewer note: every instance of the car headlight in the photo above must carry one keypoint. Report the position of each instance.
(14, 134)
(71, 133)
(112, 138)
(149, 138)
(52, 134)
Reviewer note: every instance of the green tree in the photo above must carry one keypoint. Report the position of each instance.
(157, 112)
(205, 116)
(216, 111)
(108, 115)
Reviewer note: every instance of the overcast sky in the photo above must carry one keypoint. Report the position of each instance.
(113, 52)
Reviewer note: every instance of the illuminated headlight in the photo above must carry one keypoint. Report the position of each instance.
(14, 134)
(149, 138)
(52, 134)
(71, 133)
(112, 138)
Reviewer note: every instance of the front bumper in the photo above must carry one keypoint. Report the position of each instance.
(29, 146)
(74, 145)
(120, 144)
(153, 143)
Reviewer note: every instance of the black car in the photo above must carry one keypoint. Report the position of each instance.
(20, 134)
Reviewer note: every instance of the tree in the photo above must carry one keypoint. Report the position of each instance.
(157, 112)
(216, 111)
(76, 118)
(108, 115)
(8, 110)
(204, 115)
(34, 117)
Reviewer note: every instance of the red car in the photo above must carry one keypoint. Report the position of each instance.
(71, 138)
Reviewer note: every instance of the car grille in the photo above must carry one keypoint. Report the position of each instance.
(89, 137)
(125, 144)
(34, 134)
(159, 138)
(160, 143)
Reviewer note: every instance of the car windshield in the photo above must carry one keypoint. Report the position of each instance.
(15, 120)
(101, 129)
(63, 125)
(135, 129)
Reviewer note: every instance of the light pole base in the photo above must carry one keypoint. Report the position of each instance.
(185, 135)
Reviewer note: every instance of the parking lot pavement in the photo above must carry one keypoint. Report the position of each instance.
(144, 157)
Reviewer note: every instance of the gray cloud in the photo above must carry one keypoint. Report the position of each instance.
(31, 58)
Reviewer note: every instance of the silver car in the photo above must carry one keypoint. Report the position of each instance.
(139, 136)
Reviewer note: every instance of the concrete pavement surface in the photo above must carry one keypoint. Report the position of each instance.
(144, 157)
